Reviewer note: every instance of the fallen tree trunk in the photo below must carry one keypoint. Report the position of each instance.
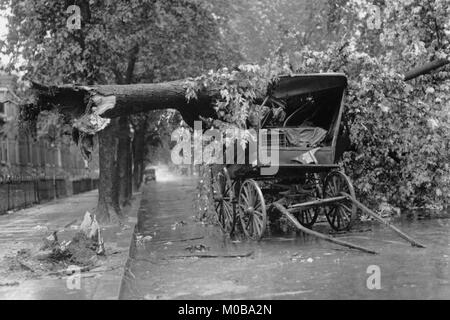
(111, 101)
(92, 108)
(89, 103)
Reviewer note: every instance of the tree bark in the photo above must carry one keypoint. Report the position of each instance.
(124, 161)
(111, 101)
(125, 144)
(129, 180)
(139, 153)
(108, 191)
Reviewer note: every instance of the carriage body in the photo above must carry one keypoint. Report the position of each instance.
(306, 115)
(313, 122)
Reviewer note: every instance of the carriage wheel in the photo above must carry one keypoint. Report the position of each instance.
(341, 214)
(308, 217)
(223, 201)
(252, 210)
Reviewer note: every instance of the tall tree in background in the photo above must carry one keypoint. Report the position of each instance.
(268, 27)
(118, 42)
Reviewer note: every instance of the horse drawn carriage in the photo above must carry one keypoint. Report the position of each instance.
(307, 112)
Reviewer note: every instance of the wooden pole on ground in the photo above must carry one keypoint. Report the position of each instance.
(297, 224)
(413, 242)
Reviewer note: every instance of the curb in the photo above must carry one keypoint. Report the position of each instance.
(131, 255)
(110, 283)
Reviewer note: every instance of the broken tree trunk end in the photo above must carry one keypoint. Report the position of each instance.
(92, 105)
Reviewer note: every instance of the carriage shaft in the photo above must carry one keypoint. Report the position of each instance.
(315, 203)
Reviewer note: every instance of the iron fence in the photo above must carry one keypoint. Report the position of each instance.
(19, 194)
(28, 158)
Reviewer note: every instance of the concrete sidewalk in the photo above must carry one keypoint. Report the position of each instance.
(25, 229)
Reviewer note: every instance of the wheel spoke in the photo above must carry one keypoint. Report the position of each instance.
(329, 193)
(228, 208)
(246, 202)
(310, 216)
(252, 196)
(223, 194)
(257, 227)
(248, 190)
(344, 214)
(333, 216)
(252, 210)
(333, 186)
(250, 223)
(338, 184)
(302, 216)
(338, 219)
(346, 207)
(340, 216)
(259, 213)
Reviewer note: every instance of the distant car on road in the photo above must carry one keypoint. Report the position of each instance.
(149, 175)
(184, 171)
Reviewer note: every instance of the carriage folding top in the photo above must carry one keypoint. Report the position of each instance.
(311, 108)
(306, 112)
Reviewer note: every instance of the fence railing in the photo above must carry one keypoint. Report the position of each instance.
(18, 194)
(84, 185)
(26, 157)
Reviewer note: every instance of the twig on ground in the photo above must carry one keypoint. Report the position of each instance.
(70, 224)
(206, 256)
(10, 284)
(178, 240)
(89, 269)
(25, 266)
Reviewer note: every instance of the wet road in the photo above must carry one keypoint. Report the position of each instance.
(280, 267)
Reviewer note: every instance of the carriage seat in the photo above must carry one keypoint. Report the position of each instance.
(309, 137)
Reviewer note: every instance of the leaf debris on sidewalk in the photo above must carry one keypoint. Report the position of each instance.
(84, 250)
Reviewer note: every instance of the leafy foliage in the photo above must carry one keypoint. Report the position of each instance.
(401, 133)
(166, 39)
(239, 89)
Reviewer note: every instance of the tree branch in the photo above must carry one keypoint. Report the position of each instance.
(131, 64)
(427, 68)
